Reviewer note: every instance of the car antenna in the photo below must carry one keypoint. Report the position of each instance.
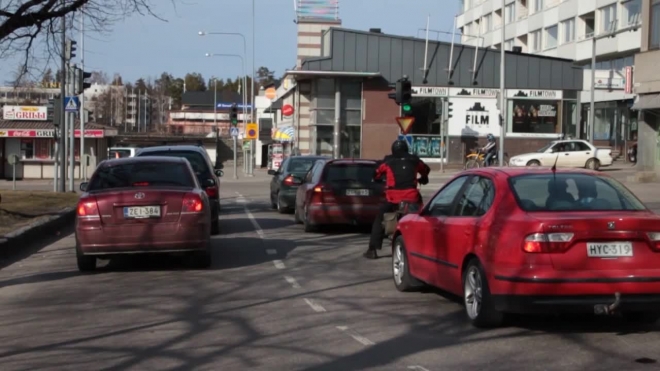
(554, 166)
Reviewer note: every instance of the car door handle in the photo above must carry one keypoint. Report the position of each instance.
(566, 154)
(588, 152)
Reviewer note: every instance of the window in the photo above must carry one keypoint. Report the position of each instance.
(536, 38)
(538, 6)
(149, 173)
(361, 173)
(477, 197)
(441, 204)
(551, 37)
(509, 13)
(197, 161)
(119, 153)
(300, 166)
(487, 23)
(324, 101)
(350, 117)
(27, 149)
(568, 31)
(572, 192)
(608, 18)
(654, 37)
(508, 44)
(631, 12)
(533, 116)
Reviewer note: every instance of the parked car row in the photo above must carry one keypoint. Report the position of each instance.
(165, 199)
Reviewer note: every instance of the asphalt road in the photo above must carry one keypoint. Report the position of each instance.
(276, 299)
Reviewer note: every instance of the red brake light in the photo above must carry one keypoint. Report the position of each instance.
(212, 192)
(547, 242)
(140, 184)
(654, 237)
(322, 194)
(291, 181)
(88, 207)
(192, 203)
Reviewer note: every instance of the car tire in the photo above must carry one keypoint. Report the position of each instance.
(645, 318)
(86, 263)
(479, 306)
(403, 281)
(309, 228)
(296, 216)
(533, 163)
(202, 259)
(592, 164)
(471, 164)
(273, 204)
(280, 209)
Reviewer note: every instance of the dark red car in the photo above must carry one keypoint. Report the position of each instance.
(533, 240)
(142, 205)
(339, 192)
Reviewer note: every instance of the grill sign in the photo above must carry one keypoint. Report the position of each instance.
(25, 113)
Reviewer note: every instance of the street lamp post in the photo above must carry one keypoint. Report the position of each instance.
(244, 98)
(215, 120)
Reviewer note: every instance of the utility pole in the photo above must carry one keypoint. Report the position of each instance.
(61, 156)
(503, 116)
(83, 167)
(72, 129)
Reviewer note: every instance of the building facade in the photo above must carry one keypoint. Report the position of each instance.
(647, 87)
(566, 29)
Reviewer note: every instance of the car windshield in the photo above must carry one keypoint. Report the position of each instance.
(545, 148)
(196, 160)
(139, 174)
(362, 173)
(572, 192)
(301, 165)
(119, 153)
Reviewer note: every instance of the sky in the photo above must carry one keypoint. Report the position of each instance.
(143, 46)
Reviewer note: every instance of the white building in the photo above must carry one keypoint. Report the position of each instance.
(564, 29)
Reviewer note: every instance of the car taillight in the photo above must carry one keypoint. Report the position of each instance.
(654, 237)
(212, 192)
(291, 181)
(192, 203)
(140, 184)
(322, 194)
(547, 242)
(88, 207)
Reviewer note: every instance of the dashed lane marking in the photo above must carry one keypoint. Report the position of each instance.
(279, 264)
(357, 337)
(253, 220)
(417, 368)
(314, 305)
(292, 281)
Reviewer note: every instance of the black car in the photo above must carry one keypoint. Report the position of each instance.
(286, 180)
(203, 167)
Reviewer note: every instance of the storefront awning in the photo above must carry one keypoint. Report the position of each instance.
(284, 134)
(647, 101)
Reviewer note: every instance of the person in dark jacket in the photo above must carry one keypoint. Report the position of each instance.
(400, 170)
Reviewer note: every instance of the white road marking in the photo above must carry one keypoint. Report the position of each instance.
(317, 307)
(279, 264)
(292, 281)
(271, 251)
(357, 337)
(417, 368)
(253, 220)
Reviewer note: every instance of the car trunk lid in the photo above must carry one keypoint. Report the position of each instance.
(143, 205)
(351, 183)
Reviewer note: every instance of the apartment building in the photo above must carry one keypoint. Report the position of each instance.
(565, 29)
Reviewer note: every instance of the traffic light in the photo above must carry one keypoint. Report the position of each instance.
(402, 95)
(81, 84)
(449, 110)
(70, 49)
(54, 110)
(233, 115)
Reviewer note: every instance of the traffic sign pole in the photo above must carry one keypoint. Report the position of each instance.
(235, 160)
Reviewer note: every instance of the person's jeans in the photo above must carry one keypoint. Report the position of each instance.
(489, 158)
(377, 230)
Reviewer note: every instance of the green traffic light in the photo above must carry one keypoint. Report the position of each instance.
(406, 108)
(234, 122)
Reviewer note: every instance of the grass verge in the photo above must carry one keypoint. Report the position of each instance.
(20, 208)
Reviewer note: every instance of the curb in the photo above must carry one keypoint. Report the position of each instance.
(14, 241)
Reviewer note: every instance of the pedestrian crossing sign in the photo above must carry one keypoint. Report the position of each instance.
(71, 104)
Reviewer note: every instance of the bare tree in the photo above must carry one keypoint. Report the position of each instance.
(31, 29)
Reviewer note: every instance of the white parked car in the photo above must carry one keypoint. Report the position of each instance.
(566, 153)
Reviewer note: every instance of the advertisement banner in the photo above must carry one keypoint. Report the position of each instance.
(474, 117)
(534, 116)
(428, 147)
(46, 133)
(25, 113)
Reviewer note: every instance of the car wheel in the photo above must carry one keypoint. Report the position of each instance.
(471, 164)
(476, 296)
(403, 281)
(646, 318)
(86, 263)
(273, 204)
(280, 208)
(202, 259)
(308, 226)
(296, 216)
(592, 164)
(533, 163)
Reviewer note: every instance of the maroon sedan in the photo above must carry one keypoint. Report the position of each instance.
(142, 205)
(339, 192)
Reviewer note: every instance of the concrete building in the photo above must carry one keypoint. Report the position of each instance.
(565, 29)
(647, 86)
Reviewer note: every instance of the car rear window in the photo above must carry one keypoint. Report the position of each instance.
(197, 161)
(141, 174)
(120, 153)
(301, 165)
(572, 192)
(350, 172)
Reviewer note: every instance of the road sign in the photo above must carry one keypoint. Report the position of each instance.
(251, 130)
(408, 138)
(405, 123)
(233, 131)
(71, 104)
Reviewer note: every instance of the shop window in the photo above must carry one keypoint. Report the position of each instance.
(324, 101)
(350, 117)
(27, 149)
(603, 123)
(42, 149)
(427, 113)
(535, 117)
(570, 117)
(654, 32)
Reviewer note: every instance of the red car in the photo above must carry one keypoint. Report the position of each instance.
(142, 205)
(338, 192)
(533, 240)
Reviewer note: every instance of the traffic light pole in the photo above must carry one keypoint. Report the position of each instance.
(502, 94)
(72, 132)
(59, 153)
(83, 163)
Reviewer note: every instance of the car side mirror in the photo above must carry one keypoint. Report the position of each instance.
(209, 183)
(83, 186)
(272, 172)
(219, 172)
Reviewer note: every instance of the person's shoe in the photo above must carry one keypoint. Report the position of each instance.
(370, 254)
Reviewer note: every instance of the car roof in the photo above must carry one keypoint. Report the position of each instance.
(179, 148)
(130, 160)
(516, 171)
(352, 161)
(311, 157)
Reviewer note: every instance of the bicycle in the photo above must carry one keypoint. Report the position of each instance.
(476, 158)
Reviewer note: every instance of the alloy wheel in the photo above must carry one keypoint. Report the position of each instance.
(398, 264)
(473, 290)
